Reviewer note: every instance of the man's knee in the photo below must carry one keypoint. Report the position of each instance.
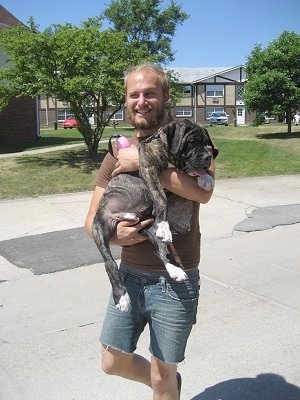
(113, 361)
(109, 360)
(107, 363)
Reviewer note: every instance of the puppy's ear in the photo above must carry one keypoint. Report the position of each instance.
(210, 143)
(168, 135)
(174, 134)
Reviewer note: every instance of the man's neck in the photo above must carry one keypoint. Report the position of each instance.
(142, 133)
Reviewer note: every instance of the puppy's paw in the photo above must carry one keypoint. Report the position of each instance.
(124, 302)
(206, 181)
(176, 273)
(163, 231)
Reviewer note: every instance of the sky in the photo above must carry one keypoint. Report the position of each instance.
(217, 33)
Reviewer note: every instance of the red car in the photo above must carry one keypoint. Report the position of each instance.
(70, 123)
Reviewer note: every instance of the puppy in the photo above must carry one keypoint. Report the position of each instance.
(139, 196)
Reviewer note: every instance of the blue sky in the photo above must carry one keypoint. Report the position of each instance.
(218, 33)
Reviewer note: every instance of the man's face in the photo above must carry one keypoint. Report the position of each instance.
(145, 100)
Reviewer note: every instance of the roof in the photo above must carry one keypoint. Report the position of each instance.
(193, 75)
(7, 19)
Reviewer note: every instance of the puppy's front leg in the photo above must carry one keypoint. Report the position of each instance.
(162, 251)
(150, 176)
(164, 232)
(176, 273)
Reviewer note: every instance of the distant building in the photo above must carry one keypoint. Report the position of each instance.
(205, 90)
(19, 121)
(213, 89)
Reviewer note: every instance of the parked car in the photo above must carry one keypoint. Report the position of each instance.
(70, 123)
(218, 118)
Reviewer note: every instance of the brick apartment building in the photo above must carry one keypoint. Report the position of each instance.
(19, 121)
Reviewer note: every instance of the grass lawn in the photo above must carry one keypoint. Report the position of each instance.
(244, 151)
(59, 137)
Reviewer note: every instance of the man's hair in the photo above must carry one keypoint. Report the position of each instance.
(149, 67)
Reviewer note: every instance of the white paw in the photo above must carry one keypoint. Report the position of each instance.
(124, 303)
(176, 273)
(163, 231)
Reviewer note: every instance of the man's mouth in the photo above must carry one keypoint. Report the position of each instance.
(142, 112)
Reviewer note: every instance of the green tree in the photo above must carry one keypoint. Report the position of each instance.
(83, 66)
(147, 25)
(274, 78)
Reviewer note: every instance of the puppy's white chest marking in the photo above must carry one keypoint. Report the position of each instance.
(163, 231)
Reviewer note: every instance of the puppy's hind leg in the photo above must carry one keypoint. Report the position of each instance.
(119, 291)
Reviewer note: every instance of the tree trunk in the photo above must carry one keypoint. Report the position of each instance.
(93, 147)
(289, 122)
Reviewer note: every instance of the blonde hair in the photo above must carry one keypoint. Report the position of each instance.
(149, 67)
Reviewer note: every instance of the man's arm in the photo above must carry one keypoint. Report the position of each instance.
(98, 193)
(171, 179)
(184, 185)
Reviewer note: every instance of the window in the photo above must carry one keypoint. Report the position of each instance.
(210, 110)
(183, 112)
(118, 116)
(187, 90)
(214, 90)
(240, 92)
(63, 114)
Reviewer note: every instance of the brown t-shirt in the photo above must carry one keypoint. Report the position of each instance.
(183, 217)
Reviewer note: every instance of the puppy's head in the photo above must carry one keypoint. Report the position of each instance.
(188, 143)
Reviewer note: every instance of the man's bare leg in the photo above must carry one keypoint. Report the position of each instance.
(130, 366)
(164, 380)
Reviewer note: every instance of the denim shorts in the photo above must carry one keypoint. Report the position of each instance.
(168, 307)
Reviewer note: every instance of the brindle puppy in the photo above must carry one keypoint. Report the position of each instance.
(139, 196)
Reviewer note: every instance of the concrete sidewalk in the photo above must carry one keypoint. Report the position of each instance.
(245, 345)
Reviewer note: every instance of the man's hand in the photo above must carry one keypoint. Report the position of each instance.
(128, 160)
(127, 232)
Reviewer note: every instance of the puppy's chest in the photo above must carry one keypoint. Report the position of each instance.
(180, 214)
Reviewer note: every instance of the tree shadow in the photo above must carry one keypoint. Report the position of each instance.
(39, 143)
(263, 387)
(76, 159)
(278, 135)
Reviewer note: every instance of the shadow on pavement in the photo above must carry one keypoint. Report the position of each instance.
(54, 251)
(263, 387)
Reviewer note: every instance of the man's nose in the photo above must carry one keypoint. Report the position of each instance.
(142, 99)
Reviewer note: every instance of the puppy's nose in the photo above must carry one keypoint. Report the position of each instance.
(207, 159)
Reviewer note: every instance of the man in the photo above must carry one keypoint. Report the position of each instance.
(168, 307)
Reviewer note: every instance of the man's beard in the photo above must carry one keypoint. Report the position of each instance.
(144, 124)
